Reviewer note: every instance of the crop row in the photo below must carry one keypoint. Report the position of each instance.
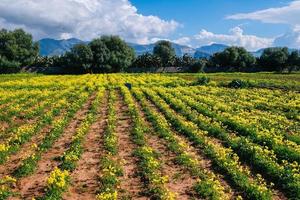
(148, 159)
(284, 175)
(59, 179)
(284, 149)
(261, 119)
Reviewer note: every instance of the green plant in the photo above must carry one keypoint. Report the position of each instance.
(202, 80)
(238, 83)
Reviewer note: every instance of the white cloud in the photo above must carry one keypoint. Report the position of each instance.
(289, 14)
(236, 37)
(183, 41)
(85, 19)
(156, 39)
(290, 39)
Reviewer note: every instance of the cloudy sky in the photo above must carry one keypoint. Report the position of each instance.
(253, 24)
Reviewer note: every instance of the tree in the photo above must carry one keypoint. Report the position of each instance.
(234, 58)
(147, 60)
(293, 61)
(101, 55)
(187, 60)
(121, 55)
(81, 57)
(7, 66)
(198, 65)
(18, 47)
(274, 59)
(165, 51)
(43, 61)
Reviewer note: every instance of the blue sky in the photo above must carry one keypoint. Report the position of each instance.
(195, 15)
(253, 24)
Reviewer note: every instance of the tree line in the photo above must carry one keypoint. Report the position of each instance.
(232, 59)
(277, 59)
(109, 54)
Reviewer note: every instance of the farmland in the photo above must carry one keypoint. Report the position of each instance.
(167, 137)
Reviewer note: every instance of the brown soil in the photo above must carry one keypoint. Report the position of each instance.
(180, 181)
(277, 195)
(3, 126)
(204, 162)
(130, 183)
(34, 185)
(85, 177)
(5, 105)
(18, 122)
(15, 160)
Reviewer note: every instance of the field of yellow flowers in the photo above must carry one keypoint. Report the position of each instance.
(149, 136)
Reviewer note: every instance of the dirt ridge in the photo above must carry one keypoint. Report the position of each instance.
(130, 183)
(85, 177)
(34, 185)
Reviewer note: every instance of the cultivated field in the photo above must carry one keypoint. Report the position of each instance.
(90, 137)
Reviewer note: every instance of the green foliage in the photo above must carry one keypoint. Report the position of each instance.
(57, 184)
(198, 65)
(28, 166)
(237, 83)
(81, 57)
(165, 51)
(274, 59)
(7, 67)
(6, 183)
(17, 48)
(234, 59)
(204, 190)
(121, 55)
(258, 157)
(101, 55)
(105, 54)
(147, 60)
(203, 80)
(293, 61)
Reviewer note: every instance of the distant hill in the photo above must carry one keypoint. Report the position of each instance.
(259, 52)
(51, 47)
(142, 49)
(148, 48)
(200, 54)
(181, 50)
(212, 49)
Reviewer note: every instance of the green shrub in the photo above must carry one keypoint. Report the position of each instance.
(237, 83)
(203, 80)
(8, 66)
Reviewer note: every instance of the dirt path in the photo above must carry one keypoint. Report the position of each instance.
(208, 166)
(34, 185)
(131, 185)
(85, 177)
(18, 121)
(15, 160)
(180, 181)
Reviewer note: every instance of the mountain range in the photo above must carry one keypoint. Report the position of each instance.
(51, 47)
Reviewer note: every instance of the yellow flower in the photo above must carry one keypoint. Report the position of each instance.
(58, 179)
(108, 196)
(3, 147)
(34, 146)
